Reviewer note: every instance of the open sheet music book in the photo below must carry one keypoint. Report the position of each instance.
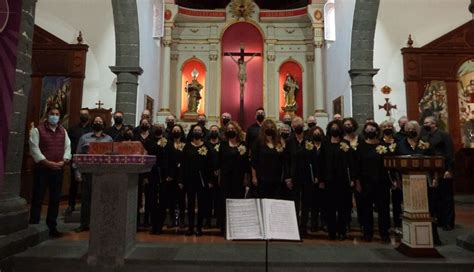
(261, 219)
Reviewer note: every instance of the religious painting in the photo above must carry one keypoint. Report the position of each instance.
(56, 91)
(435, 103)
(149, 102)
(466, 102)
(338, 106)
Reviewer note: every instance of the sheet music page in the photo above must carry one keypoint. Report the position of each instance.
(280, 220)
(244, 219)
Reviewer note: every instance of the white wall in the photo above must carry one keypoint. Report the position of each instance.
(338, 58)
(64, 19)
(426, 20)
(149, 81)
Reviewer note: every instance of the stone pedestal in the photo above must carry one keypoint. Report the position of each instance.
(417, 238)
(114, 204)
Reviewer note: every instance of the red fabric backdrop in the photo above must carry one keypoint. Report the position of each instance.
(230, 91)
(294, 69)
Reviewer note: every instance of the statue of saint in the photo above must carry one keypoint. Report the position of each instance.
(291, 89)
(194, 93)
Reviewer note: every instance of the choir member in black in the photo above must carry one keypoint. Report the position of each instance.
(350, 134)
(173, 185)
(146, 114)
(144, 136)
(233, 167)
(318, 216)
(302, 171)
(400, 135)
(388, 138)
(170, 120)
(337, 176)
(126, 134)
(75, 134)
(201, 121)
(118, 126)
(373, 184)
(254, 130)
(213, 197)
(412, 145)
(225, 119)
(196, 169)
(269, 162)
(312, 122)
(285, 132)
(157, 147)
(442, 145)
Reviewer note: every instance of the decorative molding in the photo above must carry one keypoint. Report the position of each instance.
(194, 30)
(309, 57)
(271, 57)
(166, 43)
(319, 44)
(174, 57)
(213, 57)
(290, 30)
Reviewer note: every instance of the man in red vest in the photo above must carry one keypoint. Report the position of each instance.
(51, 150)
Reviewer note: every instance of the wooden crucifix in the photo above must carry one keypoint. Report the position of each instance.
(242, 75)
(387, 107)
(99, 104)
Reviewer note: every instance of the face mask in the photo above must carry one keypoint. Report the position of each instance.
(388, 132)
(144, 127)
(230, 134)
(335, 132)
(97, 127)
(127, 137)
(225, 121)
(285, 135)
(310, 125)
(159, 132)
(176, 135)
(371, 134)
(287, 123)
(118, 120)
(53, 119)
(201, 123)
(170, 124)
(298, 129)
(412, 134)
(317, 137)
(197, 135)
(84, 118)
(402, 128)
(427, 128)
(213, 135)
(269, 132)
(348, 130)
(260, 117)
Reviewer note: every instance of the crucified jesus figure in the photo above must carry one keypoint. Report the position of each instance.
(242, 75)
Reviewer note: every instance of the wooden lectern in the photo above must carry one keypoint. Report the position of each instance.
(417, 238)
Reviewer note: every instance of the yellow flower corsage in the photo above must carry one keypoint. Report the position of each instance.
(242, 149)
(392, 147)
(344, 147)
(217, 147)
(354, 145)
(202, 151)
(309, 145)
(162, 142)
(279, 148)
(423, 145)
(180, 147)
(381, 149)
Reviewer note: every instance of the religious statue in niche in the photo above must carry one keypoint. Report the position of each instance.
(194, 93)
(434, 103)
(291, 88)
(466, 102)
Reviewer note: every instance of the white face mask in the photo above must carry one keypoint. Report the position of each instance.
(53, 119)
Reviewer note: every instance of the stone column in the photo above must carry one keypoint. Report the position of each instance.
(319, 100)
(127, 60)
(13, 209)
(212, 88)
(165, 82)
(272, 97)
(362, 93)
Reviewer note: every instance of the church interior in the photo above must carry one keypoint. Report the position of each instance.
(370, 61)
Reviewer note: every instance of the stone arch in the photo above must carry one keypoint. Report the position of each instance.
(362, 54)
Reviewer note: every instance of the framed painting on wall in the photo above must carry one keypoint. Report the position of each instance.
(149, 104)
(338, 106)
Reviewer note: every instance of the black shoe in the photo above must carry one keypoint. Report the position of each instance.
(332, 237)
(367, 238)
(81, 229)
(54, 233)
(69, 210)
(448, 228)
(342, 237)
(198, 232)
(437, 242)
(385, 239)
(189, 232)
(155, 232)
